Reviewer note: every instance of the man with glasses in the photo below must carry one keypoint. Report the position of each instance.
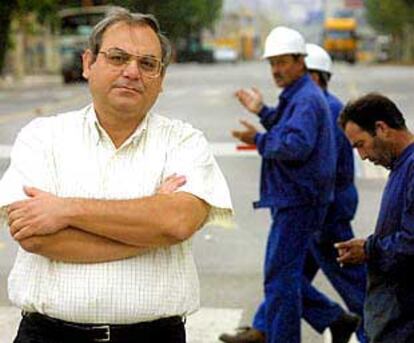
(105, 249)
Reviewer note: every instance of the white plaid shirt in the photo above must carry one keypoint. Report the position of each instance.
(70, 155)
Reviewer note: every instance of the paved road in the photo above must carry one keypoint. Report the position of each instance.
(229, 261)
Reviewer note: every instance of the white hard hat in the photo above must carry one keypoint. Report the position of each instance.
(282, 40)
(318, 59)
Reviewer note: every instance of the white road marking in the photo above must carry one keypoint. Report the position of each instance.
(207, 324)
(229, 149)
(204, 326)
(363, 169)
(327, 338)
(9, 321)
(5, 151)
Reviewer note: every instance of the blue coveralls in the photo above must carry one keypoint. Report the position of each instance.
(297, 184)
(349, 281)
(389, 304)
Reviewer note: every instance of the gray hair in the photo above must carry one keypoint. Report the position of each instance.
(120, 14)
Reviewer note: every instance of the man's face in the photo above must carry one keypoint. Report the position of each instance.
(286, 69)
(123, 89)
(374, 148)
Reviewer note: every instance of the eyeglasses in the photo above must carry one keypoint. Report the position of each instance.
(148, 65)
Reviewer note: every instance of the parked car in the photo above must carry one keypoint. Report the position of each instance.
(225, 55)
(72, 65)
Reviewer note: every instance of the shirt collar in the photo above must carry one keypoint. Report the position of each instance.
(409, 150)
(290, 90)
(98, 132)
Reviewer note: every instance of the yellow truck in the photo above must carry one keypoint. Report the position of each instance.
(340, 39)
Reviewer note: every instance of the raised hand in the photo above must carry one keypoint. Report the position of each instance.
(251, 99)
(246, 136)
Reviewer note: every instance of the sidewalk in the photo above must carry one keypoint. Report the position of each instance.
(9, 319)
(29, 81)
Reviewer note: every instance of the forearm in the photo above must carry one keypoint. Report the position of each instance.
(76, 246)
(158, 220)
(267, 116)
(390, 253)
(283, 146)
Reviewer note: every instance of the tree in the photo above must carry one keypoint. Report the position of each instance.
(178, 18)
(394, 17)
(18, 9)
(6, 10)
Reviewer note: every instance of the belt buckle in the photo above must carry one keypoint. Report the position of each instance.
(107, 333)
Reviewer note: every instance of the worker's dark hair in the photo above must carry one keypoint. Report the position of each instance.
(370, 108)
(324, 77)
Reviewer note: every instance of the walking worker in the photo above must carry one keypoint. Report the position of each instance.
(297, 182)
(376, 129)
(105, 246)
(349, 282)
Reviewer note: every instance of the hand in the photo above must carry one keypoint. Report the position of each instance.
(171, 184)
(42, 214)
(246, 136)
(251, 99)
(351, 251)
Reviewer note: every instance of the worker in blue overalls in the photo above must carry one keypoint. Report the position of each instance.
(349, 281)
(297, 184)
(377, 129)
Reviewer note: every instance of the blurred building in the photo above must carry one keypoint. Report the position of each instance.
(34, 48)
(238, 30)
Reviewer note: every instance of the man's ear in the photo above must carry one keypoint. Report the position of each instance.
(382, 129)
(88, 58)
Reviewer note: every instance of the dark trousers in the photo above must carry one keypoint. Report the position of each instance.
(36, 328)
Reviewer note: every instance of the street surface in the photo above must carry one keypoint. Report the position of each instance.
(229, 260)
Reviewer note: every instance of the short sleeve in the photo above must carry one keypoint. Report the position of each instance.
(191, 156)
(30, 163)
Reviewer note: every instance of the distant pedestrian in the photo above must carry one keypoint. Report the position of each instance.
(105, 245)
(376, 129)
(297, 183)
(349, 282)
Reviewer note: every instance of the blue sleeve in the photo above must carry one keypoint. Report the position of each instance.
(391, 253)
(293, 140)
(267, 116)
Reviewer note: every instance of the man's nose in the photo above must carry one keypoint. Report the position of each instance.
(275, 69)
(132, 70)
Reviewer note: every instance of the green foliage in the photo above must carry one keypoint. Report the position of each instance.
(6, 10)
(390, 16)
(45, 10)
(178, 18)
(396, 18)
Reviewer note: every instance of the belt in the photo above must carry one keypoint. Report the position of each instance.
(97, 332)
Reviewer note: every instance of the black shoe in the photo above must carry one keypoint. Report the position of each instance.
(244, 334)
(343, 328)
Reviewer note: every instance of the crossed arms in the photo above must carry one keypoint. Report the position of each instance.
(89, 231)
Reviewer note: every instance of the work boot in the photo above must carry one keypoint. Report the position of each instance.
(244, 334)
(343, 328)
